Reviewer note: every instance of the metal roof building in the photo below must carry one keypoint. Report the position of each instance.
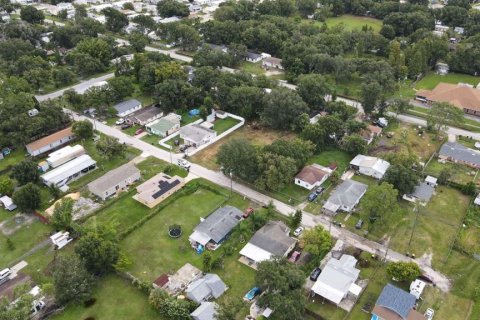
(69, 171)
(114, 181)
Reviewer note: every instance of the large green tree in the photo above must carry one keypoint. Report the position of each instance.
(62, 214)
(403, 271)
(31, 14)
(402, 178)
(442, 114)
(378, 201)
(317, 241)
(170, 8)
(116, 20)
(239, 157)
(282, 109)
(83, 129)
(276, 171)
(71, 281)
(26, 171)
(109, 147)
(313, 88)
(27, 198)
(170, 307)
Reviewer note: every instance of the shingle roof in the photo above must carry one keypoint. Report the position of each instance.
(203, 288)
(458, 95)
(196, 132)
(423, 191)
(164, 124)
(273, 237)
(206, 311)
(113, 178)
(457, 151)
(147, 113)
(311, 174)
(396, 300)
(35, 145)
(126, 105)
(347, 193)
(253, 55)
(219, 224)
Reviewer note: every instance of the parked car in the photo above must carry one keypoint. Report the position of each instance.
(429, 314)
(4, 274)
(298, 231)
(319, 190)
(315, 274)
(183, 148)
(294, 257)
(125, 126)
(184, 164)
(139, 131)
(312, 196)
(37, 306)
(120, 121)
(247, 213)
(359, 224)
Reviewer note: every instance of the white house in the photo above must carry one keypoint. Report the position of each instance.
(196, 135)
(7, 203)
(127, 107)
(370, 166)
(50, 142)
(114, 181)
(64, 155)
(253, 57)
(312, 176)
(61, 239)
(69, 171)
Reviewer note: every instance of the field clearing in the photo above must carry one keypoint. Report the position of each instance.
(431, 80)
(351, 22)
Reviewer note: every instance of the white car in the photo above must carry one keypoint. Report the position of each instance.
(298, 231)
(120, 121)
(4, 274)
(184, 164)
(429, 314)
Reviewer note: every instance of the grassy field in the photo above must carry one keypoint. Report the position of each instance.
(431, 80)
(12, 159)
(253, 68)
(354, 22)
(460, 173)
(329, 156)
(222, 125)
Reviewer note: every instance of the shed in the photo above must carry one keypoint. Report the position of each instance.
(7, 203)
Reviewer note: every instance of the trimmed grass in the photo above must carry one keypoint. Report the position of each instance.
(431, 80)
(152, 166)
(151, 138)
(340, 158)
(351, 22)
(12, 159)
(460, 173)
(116, 299)
(222, 125)
(186, 118)
(253, 68)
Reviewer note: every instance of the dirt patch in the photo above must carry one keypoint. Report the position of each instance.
(7, 289)
(426, 259)
(9, 226)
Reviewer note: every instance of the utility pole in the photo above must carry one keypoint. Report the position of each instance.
(231, 183)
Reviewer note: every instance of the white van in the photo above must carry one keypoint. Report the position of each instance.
(184, 164)
(4, 274)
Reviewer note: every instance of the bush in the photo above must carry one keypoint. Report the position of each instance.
(90, 302)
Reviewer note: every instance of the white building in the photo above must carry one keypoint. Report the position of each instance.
(125, 108)
(7, 203)
(312, 176)
(50, 142)
(69, 171)
(196, 135)
(345, 197)
(114, 181)
(369, 166)
(61, 239)
(64, 155)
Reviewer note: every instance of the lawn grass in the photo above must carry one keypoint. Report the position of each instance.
(151, 138)
(467, 142)
(351, 22)
(369, 181)
(152, 166)
(222, 125)
(186, 118)
(325, 158)
(115, 299)
(252, 68)
(460, 173)
(12, 159)
(431, 80)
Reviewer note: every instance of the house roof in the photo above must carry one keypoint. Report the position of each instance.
(396, 300)
(457, 151)
(206, 311)
(157, 186)
(219, 224)
(273, 60)
(180, 279)
(347, 194)
(273, 238)
(113, 178)
(374, 129)
(7, 201)
(253, 55)
(126, 105)
(164, 124)
(460, 96)
(195, 132)
(337, 278)
(424, 191)
(162, 280)
(376, 164)
(45, 141)
(203, 288)
(147, 113)
(65, 170)
(311, 174)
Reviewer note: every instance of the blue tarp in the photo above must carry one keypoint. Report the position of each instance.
(194, 112)
(200, 249)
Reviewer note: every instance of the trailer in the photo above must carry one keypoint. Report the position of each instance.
(64, 155)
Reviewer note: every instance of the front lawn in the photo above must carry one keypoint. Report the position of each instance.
(151, 138)
(252, 68)
(431, 80)
(351, 22)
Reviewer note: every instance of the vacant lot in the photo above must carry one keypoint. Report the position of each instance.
(12, 159)
(431, 80)
(354, 22)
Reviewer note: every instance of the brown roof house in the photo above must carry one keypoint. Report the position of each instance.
(461, 96)
(370, 133)
(50, 142)
(157, 189)
(312, 176)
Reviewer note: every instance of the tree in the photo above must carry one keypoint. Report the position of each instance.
(317, 241)
(170, 307)
(379, 200)
(313, 88)
(31, 15)
(297, 149)
(138, 41)
(444, 176)
(282, 284)
(83, 129)
(396, 58)
(109, 147)
(306, 7)
(470, 188)
(245, 101)
(62, 76)
(115, 20)
(403, 271)
(400, 106)
(170, 8)
(63, 14)
(228, 308)
(26, 171)
(354, 144)
(295, 219)
(239, 157)
(6, 186)
(20, 310)
(402, 178)
(275, 171)
(207, 261)
(282, 109)
(128, 6)
(187, 37)
(370, 93)
(62, 214)
(442, 114)
(71, 281)
(121, 87)
(27, 198)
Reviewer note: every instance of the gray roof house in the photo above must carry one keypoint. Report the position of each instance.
(458, 153)
(345, 197)
(208, 287)
(127, 107)
(422, 192)
(164, 126)
(216, 227)
(196, 135)
(114, 181)
(206, 311)
(269, 241)
(145, 115)
(395, 303)
(253, 57)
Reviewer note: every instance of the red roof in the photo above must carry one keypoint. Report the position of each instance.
(162, 280)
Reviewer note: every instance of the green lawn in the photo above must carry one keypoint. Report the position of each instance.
(252, 68)
(12, 159)
(460, 173)
(351, 22)
(116, 299)
(152, 166)
(186, 118)
(431, 80)
(369, 181)
(151, 138)
(329, 156)
(222, 125)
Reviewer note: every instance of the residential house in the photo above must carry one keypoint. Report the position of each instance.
(196, 135)
(157, 189)
(176, 283)
(345, 197)
(114, 181)
(145, 115)
(206, 311)
(272, 62)
(253, 57)
(69, 171)
(459, 30)
(370, 133)
(64, 155)
(461, 96)
(127, 107)
(165, 126)
(422, 192)
(458, 153)
(337, 279)
(369, 166)
(208, 287)
(396, 304)
(50, 142)
(271, 240)
(7, 203)
(215, 228)
(312, 176)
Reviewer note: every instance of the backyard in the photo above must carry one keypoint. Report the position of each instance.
(431, 80)
(459, 173)
(222, 125)
(12, 159)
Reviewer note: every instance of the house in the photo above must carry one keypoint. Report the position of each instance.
(271, 240)
(170, 20)
(461, 96)
(178, 282)
(206, 311)
(61, 239)
(208, 287)
(345, 197)
(253, 57)
(271, 62)
(337, 279)
(164, 126)
(69, 171)
(369, 166)
(312, 176)
(114, 181)
(7, 203)
(422, 192)
(214, 229)
(145, 115)
(64, 155)
(196, 135)
(458, 153)
(370, 133)
(127, 107)
(157, 189)
(396, 304)
(50, 142)
(459, 30)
